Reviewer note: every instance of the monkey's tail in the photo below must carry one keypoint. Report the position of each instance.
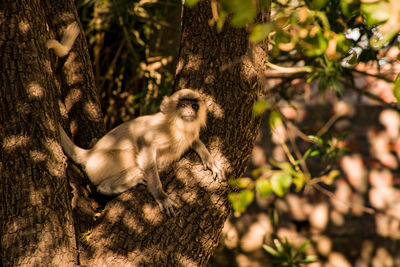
(62, 48)
(77, 154)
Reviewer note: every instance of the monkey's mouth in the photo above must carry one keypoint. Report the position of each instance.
(188, 118)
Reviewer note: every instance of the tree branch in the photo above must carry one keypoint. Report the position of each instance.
(378, 76)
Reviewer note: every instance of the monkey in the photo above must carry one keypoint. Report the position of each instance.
(62, 49)
(136, 151)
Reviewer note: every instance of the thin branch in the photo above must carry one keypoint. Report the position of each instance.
(328, 125)
(348, 204)
(296, 150)
(111, 67)
(378, 76)
(286, 149)
(293, 127)
(372, 96)
(307, 69)
(273, 74)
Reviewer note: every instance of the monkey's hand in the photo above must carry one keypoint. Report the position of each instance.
(214, 167)
(207, 159)
(167, 206)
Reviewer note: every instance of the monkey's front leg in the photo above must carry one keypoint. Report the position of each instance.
(207, 159)
(147, 161)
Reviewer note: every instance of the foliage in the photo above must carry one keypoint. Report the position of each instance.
(133, 67)
(323, 39)
(314, 40)
(279, 177)
(284, 254)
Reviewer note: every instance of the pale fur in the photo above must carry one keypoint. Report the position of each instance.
(61, 49)
(119, 159)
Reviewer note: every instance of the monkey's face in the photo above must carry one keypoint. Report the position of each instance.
(187, 109)
(186, 105)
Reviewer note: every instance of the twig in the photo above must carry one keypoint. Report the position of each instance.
(327, 125)
(331, 195)
(394, 106)
(307, 69)
(111, 67)
(282, 75)
(299, 157)
(379, 76)
(293, 127)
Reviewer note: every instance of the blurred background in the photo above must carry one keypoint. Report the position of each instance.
(323, 184)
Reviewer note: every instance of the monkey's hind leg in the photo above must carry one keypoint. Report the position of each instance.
(121, 182)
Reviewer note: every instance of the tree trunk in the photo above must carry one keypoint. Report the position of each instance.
(36, 205)
(42, 223)
(227, 69)
(36, 216)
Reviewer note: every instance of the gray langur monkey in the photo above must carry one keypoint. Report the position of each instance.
(135, 151)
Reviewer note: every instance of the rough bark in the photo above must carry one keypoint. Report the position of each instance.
(79, 106)
(36, 216)
(132, 231)
(37, 208)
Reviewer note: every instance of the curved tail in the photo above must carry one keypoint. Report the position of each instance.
(77, 154)
(62, 49)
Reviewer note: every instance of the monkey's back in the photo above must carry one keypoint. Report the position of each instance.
(119, 150)
(116, 151)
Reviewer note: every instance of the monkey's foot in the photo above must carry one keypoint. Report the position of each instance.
(215, 169)
(167, 206)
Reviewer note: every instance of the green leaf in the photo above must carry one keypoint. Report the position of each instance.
(352, 59)
(240, 201)
(260, 106)
(308, 259)
(260, 32)
(85, 237)
(259, 171)
(271, 250)
(244, 11)
(246, 197)
(301, 249)
(308, 153)
(274, 119)
(396, 88)
(221, 20)
(279, 246)
(285, 166)
(316, 139)
(299, 180)
(332, 175)
(242, 183)
(382, 37)
(349, 7)
(318, 4)
(191, 2)
(375, 13)
(264, 187)
(315, 153)
(265, 4)
(280, 183)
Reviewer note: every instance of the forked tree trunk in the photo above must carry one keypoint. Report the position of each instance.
(228, 70)
(41, 223)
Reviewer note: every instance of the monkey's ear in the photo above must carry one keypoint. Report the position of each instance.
(164, 105)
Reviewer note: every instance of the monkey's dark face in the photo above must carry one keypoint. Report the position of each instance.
(187, 109)
(186, 105)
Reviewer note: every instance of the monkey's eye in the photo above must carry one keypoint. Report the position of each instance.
(195, 107)
(181, 105)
